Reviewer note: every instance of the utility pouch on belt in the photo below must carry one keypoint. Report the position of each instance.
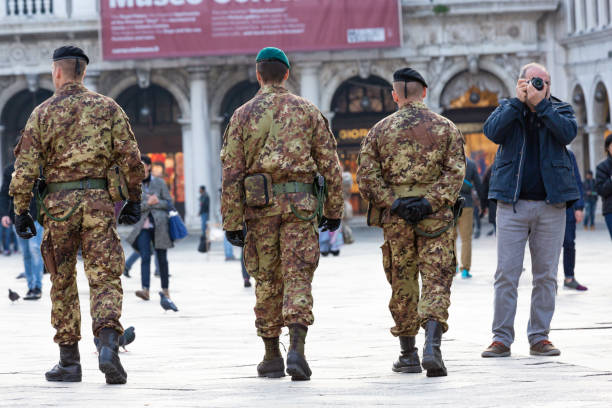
(258, 190)
(40, 192)
(374, 218)
(117, 186)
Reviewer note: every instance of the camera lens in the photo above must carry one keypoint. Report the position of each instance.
(537, 83)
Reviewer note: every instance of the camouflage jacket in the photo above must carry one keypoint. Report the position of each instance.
(75, 134)
(286, 137)
(413, 152)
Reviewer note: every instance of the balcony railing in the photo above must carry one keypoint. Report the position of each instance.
(28, 8)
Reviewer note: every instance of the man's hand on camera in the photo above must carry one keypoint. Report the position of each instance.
(521, 89)
(24, 225)
(236, 238)
(130, 213)
(534, 96)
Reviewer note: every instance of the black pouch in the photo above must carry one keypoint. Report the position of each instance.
(258, 190)
(458, 207)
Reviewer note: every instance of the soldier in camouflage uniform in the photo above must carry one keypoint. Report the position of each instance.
(74, 137)
(411, 168)
(273, 148)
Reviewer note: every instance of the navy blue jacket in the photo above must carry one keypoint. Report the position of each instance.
(557, 128)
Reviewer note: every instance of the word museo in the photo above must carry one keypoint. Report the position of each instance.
(160, 3)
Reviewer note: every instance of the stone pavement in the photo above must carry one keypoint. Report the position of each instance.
(205, 355)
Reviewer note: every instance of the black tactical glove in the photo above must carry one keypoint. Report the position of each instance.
(23, 222)
(411, 209)
(130, 213)
(402, 208)
(329, 224)
(236, 238)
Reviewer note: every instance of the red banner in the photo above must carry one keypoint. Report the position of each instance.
(183, 28)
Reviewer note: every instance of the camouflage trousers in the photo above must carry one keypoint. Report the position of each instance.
(92, 228)
(405, 256)
(281, 253)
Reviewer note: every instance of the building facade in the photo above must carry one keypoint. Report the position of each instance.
(470, 53)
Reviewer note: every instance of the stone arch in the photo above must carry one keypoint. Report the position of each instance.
(226, 82)
(601, 102)
(181, 98)
(580, 145)
(329, 88)
(463, 80)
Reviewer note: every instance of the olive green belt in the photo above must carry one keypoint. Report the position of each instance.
(409, 191)
(292, 187)
(85, 184)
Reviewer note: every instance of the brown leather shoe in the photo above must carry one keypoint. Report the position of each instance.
(544, 348)
(496, 349)
(143, 294)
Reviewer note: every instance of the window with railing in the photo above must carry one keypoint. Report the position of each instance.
(27, 8)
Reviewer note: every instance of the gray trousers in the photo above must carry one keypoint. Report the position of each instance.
(543, 225)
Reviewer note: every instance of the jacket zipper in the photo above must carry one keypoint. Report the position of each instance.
(516, 191)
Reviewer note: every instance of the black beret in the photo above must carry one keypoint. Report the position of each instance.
(69, 52)
(408, 75)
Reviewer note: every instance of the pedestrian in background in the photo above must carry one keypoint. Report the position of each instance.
(152, 229)
(204, 209)
(465, 224)
(411, 168)
(488, 206)
(573, 216)
(590, 200)
(603, 183)
(533, 184)
(32, 259)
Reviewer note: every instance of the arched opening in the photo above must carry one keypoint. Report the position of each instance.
(237, 96)
(154, 115)
(601, 118)
(358, 104)
(14, 117)
(582, 138)
(468, 99)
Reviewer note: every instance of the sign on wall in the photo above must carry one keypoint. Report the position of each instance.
(183, 28)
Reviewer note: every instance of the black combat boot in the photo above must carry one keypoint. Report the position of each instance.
(408, 361)
(432, 356)
(273, 365)
(297, 366)
(69, 367)
(108, 358)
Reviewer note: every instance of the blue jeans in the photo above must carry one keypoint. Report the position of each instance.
(331, 241)
(608, 218)
(32, 258)
(134, 257)
(228, 248)
(204, 218)
(143, 242)
(569, 247)
(8, 237)
(589, 213)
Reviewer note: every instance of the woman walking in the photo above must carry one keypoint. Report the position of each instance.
(603, 183)
(152, 229)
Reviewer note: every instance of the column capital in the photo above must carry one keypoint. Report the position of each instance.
(198, 72)
(309, 66)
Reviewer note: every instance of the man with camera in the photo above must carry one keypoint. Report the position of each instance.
(533, 183)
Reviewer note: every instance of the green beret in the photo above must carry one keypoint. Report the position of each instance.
(272, 54)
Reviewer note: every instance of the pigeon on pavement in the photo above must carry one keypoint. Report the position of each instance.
(13, 295)
(166, 303)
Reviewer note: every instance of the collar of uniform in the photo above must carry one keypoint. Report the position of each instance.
(272, 89)
(71, 88)
(413, 105)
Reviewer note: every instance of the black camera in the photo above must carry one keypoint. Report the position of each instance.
(538, 83)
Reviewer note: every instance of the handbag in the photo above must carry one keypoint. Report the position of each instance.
(176, 226)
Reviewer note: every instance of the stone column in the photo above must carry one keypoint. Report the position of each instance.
(591, 15)
(216, 131)
(2, 11)
(595, 145)
(60, 8)
(579, 13)
(570, 15)
(309, 81)
(602, 11)
(191, 195)
(92, 80)
(199, 152)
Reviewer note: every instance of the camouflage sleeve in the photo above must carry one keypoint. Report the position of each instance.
(29, 159)
(372, 186)
(234, 171)
(126, 154)
(445, 191)
(328, 165)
